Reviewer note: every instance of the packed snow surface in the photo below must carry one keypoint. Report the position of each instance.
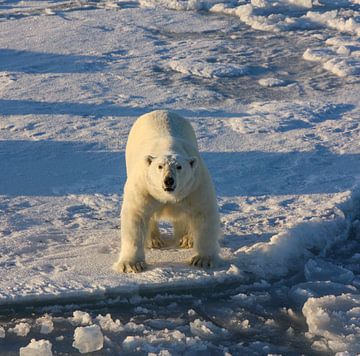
(272, 90)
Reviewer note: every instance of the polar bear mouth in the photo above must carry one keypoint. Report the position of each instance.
(169, 189)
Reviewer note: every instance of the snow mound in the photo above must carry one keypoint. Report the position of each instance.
(37, 348)
(336, 21)
(289, 250)
(339, 60)
(336, 319)
(206, 69)
(88, 338)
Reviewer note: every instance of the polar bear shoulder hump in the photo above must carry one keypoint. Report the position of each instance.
(163, 123)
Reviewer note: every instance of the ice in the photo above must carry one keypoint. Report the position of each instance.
(81, 318)
(271, 88)
(318, 55)
(37, 348)
(108, 324)
(301, 292)
(336, 21)
(46, 323)
(343, 67)
(207, 330)
(320, 270)
(287, 250)
(336, 319)
(207, 70)
(180, 5)
(271, 82)
(88, 338)
(156, 341)
(21, 329)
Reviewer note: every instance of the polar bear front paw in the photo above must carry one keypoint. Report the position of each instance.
(204, 261)
(129, 267)
(186, 242)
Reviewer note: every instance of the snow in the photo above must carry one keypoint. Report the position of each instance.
(88, 339)
(271, 88)
(320, 270)
(81, 318)
(46, 324)
(21, 329)
(37, 348)
(271, 82)
(207, 70)
(206, 330)
(108, 324)
(336, 320)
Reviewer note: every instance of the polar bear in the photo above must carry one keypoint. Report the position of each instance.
(166, 180)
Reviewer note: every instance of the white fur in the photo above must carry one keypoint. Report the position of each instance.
(158, 144)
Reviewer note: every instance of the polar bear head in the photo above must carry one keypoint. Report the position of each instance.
(171, 177)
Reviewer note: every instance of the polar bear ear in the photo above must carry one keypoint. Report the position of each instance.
(193, 162)
(149, 159)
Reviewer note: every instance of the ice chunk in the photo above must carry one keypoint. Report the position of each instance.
(303, 3)
(271, 82)
(207, 330)
(320, 270)
(337, 320)
(207, 70)
(318, 55)
(343, 67)
(21, 329)
(234, 270)
(108, 324)
(37, 348)
(47, 325)
(2, 332)
(132, 343)
(81, 318)
(301, 292)
(88, 338)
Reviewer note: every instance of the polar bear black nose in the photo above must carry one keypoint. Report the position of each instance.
(169, 181)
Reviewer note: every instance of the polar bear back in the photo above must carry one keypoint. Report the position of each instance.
(159, 131)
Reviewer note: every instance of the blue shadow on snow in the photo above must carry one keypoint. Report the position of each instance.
(51, 168)
(30, 107)
(13, 60)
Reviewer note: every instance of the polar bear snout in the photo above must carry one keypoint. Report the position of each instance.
(169, 184)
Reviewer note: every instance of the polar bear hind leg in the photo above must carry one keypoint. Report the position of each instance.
(154, 239)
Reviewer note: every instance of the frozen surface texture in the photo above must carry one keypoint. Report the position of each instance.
(272, 91)
(88, 339)
(37, 348)
(337, 320)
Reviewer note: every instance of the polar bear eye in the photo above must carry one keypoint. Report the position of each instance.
(178, 168)
(160, 166)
